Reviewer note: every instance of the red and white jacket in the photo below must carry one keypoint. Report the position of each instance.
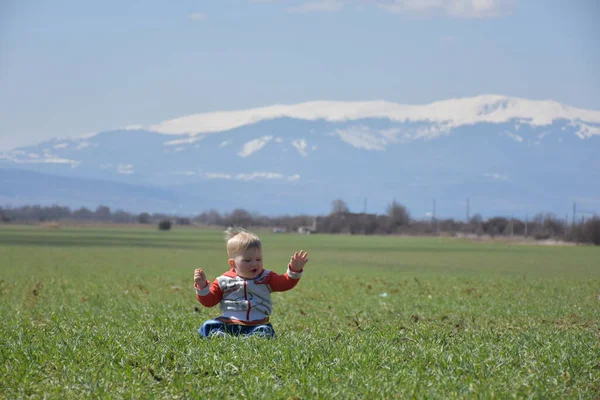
(246, 301)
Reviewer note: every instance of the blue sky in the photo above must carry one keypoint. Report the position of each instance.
(71, 67)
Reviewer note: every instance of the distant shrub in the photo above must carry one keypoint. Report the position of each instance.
(144, 218)
(164, 225)
(591, 231)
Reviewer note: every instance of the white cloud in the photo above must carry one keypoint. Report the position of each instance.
(133, 127)
(125, 169)
(497, 177)
(61, 146)
(278, 140)
(318, 6)
(254, 146)
(314, 147)
(453, 8)
(293, 177)
(185, 173)
(300, 145)
(197, 16)
(225, 143)
(513, 136)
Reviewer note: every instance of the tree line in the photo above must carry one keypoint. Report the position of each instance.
(396, 220)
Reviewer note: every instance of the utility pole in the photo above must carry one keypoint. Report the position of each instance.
(468, 211)
(574, 211)
(526, 222)
(434, 220)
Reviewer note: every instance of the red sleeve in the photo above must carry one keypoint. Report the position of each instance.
(210, 297)
(281, 283)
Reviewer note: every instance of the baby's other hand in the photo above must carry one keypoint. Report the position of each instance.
(200, 278)
(298, 261)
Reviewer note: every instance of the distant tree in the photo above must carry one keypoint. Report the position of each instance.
(164, 225)
(450, 225)
(83, 214)
(586, 231)
(475, 225)
(592, 231)
(183, 221)
(210, 217)
(339, 206)
(239, 217)
(369, 224)
(57, 212)
(518, 227)
(398, 215)
(335, 225)
(144, 218)
(159, 216)
(121, 216)
(383, 224)
(545, 226)
(496, 226)
(553, 225)
(4, 217)
(103, 213)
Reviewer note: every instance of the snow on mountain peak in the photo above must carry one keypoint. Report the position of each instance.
(254, 145)
(446, 114)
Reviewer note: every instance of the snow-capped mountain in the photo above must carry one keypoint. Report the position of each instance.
(507, 155)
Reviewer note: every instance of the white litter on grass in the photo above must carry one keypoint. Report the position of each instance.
(383, 295)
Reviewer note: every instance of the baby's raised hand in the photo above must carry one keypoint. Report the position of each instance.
(298, 261)
(200, 278)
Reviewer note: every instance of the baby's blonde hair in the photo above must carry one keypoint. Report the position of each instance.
(239, 240)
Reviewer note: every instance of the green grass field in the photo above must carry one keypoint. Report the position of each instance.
(111, 313)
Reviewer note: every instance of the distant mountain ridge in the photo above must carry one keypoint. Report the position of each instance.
(507, 155)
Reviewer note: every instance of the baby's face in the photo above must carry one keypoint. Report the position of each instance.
(249, 264)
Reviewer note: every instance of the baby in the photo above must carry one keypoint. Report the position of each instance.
(244, 292)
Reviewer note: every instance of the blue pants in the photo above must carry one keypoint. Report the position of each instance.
(213, 327)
